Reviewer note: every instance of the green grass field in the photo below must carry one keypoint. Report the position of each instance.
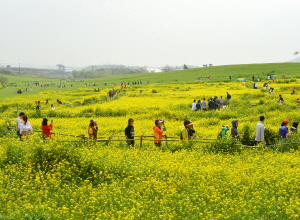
(217, 74)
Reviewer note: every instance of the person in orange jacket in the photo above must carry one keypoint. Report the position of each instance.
(158, 132)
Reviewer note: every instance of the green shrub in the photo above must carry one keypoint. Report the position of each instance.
(247, 139)
(224, 146)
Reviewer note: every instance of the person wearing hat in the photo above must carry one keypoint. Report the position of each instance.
(92, 130)
(223, 132)
(234, 129)
(283, 130)
(158, 132)
(187, 131)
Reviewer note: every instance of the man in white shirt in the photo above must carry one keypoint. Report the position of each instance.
(18, 123)
(260, 130)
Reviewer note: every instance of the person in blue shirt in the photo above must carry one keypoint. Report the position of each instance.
(283, 130)
(198, 106)
(294, 128)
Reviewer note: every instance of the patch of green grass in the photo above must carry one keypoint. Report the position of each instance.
(217, 74)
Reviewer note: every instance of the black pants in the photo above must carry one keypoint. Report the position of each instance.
(19, 135)
(130, 142)
(158, 144)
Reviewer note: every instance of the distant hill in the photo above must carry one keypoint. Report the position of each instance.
(296, 60)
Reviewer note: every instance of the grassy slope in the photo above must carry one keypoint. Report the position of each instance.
(217, 74)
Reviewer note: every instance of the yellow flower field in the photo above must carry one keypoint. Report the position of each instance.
(65, 178)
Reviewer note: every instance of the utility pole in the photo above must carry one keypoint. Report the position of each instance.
(19, 69)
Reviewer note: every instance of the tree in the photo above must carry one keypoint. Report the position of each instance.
(185, 67)
(8, 66)
(166, 68)
(3, 81)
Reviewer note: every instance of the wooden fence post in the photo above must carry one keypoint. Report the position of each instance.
(141, 141)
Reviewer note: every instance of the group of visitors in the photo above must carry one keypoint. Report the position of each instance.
(283, 129)
(96, 90)
(39, 106)
(23, 127)
(215, 103)
(187, 131)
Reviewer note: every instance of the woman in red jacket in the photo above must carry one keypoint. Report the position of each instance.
(158, 132)
(47, 128)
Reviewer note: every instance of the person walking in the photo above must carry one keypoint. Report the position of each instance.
(281, 101)
(294, 128)
(234, 129)
(129, 132)
(228, 96)
(221, 100)
(260, 130)
(92, 130)
(18, 123)
(283, 130)
(47, 128)
(198, 105)
(25, 127)
(212, 105)
(158, 132)
(203, 105)
(218, 102)
(187, 131)
(194, 106)
(38, 106)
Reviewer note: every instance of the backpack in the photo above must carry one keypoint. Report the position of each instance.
(91, 130)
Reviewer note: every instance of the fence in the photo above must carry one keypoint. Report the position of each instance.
(141, 139)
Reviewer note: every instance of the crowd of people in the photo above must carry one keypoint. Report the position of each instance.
(187, 131)
(215, 103)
